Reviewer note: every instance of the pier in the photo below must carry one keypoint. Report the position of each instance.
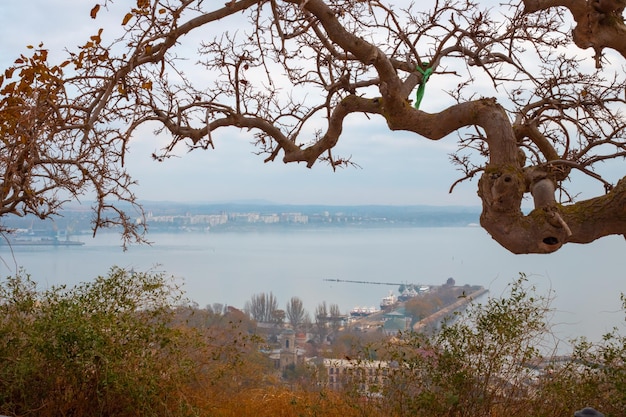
(434, 320)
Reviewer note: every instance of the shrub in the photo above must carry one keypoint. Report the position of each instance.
(124, 345)
(100, 349)
(595, 375)
(494, 360)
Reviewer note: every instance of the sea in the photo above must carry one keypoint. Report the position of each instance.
(584, 282)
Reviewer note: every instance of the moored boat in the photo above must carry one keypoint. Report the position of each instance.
(35, 240)
(388, 301)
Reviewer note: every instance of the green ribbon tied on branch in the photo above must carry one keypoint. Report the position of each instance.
(426, 73)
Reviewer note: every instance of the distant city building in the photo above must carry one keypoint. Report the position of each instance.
(204, 221)
(172, 216)
(369, 375)
(289, 354)
(294, 218)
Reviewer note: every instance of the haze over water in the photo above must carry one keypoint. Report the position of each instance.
(229, 268)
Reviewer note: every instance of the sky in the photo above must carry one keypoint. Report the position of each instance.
(394, 168)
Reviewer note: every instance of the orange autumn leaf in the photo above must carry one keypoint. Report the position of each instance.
(94, 11)
(127, 18)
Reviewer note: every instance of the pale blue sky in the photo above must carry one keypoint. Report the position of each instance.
(396, 168)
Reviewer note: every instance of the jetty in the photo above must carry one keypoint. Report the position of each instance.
(434, 320)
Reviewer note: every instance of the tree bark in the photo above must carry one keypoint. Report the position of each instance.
(505, 181)
(595, 29)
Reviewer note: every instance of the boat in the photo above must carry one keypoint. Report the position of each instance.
(35, 239)
(358, 312)
(388, 301)
(408, 293)
(40, 242)
(362, 311)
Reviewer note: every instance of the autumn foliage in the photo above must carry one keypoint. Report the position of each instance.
(126, 345)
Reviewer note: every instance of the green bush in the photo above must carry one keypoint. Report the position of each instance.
(102, 348)
(495, 360)
(595, 375)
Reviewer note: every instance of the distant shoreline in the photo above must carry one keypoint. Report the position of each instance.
(237, 217)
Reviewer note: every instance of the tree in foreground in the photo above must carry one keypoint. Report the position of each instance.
(533, 111)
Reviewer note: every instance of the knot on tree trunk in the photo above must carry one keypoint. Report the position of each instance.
(543, 230)
(502, 188)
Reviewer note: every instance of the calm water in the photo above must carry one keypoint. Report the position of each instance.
(230, 267)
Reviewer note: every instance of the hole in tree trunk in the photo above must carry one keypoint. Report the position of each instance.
(551, 240)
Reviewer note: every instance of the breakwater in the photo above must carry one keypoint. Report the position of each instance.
(434, 320)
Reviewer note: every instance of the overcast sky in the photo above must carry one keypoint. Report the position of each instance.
(395, 168)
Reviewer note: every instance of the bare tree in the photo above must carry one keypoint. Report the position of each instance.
(295, 312)
(300, 69)
(51, 153)
(335, 317)
(263, 307)
(321, 320)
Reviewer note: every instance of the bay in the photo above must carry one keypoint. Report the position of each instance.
(584, 280)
